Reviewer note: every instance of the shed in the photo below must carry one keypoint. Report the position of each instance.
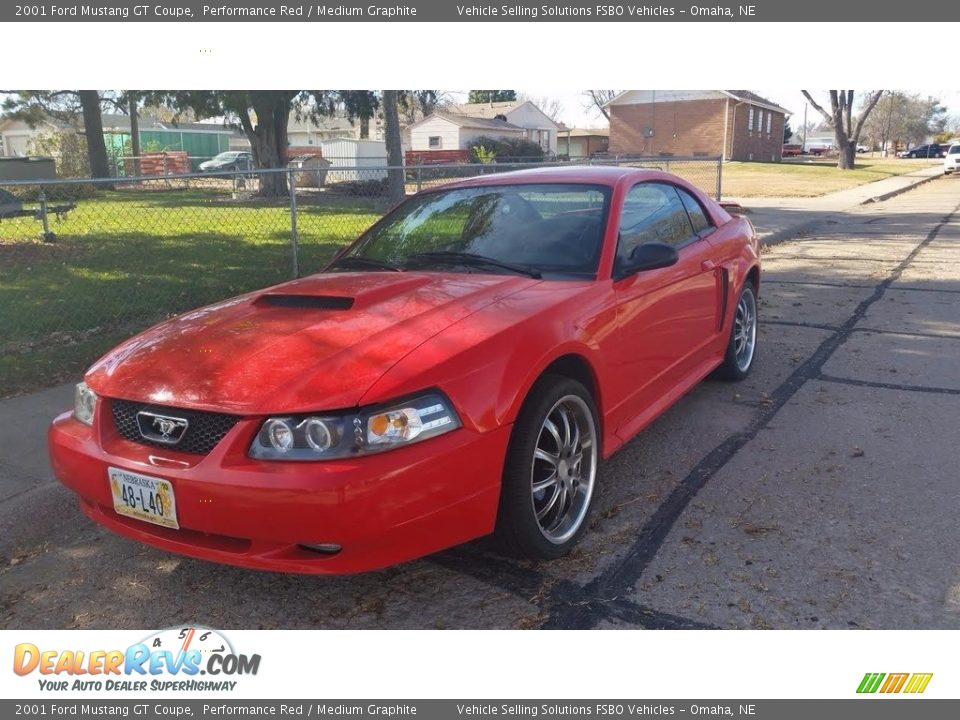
(355, 160)
(312, 170)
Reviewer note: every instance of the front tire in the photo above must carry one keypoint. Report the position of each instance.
(742, 347)
(550, 471)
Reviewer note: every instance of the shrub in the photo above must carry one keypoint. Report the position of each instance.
(68, 149)
(482, 155)
(508, 149)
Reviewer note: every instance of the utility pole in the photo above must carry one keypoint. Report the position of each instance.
(803, 148)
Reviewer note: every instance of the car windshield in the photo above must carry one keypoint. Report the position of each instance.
(955, 149)
(542, 229)
(227, 156)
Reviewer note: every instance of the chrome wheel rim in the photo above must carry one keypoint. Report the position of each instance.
(563, 469)
(745, 330)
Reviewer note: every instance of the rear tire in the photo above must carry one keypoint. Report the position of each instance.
(742, 347)
(549, 476)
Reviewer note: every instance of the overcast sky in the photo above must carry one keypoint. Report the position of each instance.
(574, 114)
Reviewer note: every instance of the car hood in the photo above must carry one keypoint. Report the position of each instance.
(313, 344)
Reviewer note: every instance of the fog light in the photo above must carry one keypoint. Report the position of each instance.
(323, 548)
(84, 403)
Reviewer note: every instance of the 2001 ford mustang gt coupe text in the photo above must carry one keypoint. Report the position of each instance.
(457, 371)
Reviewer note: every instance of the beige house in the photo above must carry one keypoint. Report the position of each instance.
(580, 143)
(537, 125)
(445, 131)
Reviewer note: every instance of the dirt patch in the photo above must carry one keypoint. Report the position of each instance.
(20, 253)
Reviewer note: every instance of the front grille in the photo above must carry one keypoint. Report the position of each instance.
(206, 429)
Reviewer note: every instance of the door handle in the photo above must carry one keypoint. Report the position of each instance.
(708, 265)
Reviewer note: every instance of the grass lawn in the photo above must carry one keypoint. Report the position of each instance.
(810, 177)
(130, 258)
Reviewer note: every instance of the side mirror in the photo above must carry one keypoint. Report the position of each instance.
(649, 256)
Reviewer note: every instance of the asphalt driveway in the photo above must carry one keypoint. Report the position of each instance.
(821, 492)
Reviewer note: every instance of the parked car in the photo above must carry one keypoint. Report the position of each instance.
(863, 149)
(231, 160)
(931, 150)
(458, 370)
(951, 161)
(791, 150)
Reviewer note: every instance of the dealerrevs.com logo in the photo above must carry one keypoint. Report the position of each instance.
(891, 683)
(179, 659)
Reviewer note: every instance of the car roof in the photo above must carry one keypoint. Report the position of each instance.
(608, 175)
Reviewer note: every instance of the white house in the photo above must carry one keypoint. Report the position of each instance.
(452, 131)
(15, 135)
(538, 126)
(304, 132)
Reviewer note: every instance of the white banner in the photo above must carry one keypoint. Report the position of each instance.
(252, 664)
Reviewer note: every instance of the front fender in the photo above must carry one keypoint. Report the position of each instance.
(488, 362)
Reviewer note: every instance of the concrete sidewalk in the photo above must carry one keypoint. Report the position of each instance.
(778, 219)
(24, 464)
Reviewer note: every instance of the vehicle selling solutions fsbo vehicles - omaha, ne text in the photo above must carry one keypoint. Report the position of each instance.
(459, 370)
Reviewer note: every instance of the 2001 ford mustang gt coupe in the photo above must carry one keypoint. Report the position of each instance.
(457, 371)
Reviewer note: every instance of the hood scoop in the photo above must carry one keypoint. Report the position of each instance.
(305, 302)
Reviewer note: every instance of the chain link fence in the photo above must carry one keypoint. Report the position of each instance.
(85, 264)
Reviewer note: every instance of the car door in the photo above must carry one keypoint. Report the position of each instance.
(665, 317)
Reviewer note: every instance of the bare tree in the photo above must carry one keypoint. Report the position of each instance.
(415, 105)
(905, 117)
(551, 107)
(597, 100)
(846, 132)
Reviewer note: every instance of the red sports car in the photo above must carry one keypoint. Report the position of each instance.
(457, 371)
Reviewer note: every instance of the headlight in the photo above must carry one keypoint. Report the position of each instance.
(84, 403)
(366, 431)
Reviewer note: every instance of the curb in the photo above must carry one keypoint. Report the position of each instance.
(793, 232)
(790, 233)
(899, 191)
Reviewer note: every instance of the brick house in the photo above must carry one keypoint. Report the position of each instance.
(733, 124)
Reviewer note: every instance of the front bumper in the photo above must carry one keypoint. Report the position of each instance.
(381, 509)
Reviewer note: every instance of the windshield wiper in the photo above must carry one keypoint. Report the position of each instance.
(469, 259)
(359, 261)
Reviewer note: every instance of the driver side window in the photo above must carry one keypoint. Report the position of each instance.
(652, 212)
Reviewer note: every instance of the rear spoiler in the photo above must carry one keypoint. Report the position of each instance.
(734, 208)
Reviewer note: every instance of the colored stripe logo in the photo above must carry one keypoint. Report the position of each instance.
(913, 683)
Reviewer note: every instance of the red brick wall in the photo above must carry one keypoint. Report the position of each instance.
(679, 128)
(694, 128)
(756, 145)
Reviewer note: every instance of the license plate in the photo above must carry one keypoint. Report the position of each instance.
(143, 497)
